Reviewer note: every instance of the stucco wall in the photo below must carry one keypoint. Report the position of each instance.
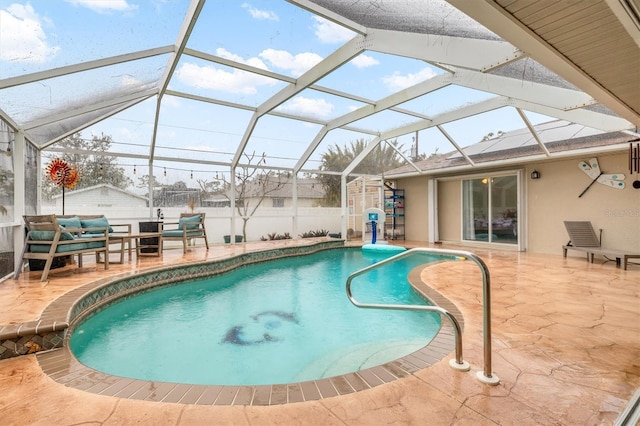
(554, 199)
(549, 201)
(415, 198)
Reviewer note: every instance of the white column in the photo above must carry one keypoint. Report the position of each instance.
(19, 189)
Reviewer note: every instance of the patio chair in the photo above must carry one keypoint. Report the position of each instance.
(188, 227)
(582, 237)
(46, 239)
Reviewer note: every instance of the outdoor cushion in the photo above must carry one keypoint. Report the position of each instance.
(100, 222)
(44, 248)
(69, 222)
(189, 222)
(48, 236)
(178, 233)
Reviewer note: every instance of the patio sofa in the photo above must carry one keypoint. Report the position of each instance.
(47, 239)
(116, 231)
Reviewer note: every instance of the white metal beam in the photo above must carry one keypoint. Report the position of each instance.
(84, 66)
(195, 7)
(94, 121)
(533, 132)
(474, 54)
(329, 15)
(544, 94)
(134, 97)
(596, 120)
(340, 56)
(389, 102)
(453, 142)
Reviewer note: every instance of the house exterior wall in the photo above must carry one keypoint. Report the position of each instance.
(553, 199)
(450, 210)
(548, 202)
(102, 200)
(416, 200)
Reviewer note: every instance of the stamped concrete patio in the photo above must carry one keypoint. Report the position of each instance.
(566, 345)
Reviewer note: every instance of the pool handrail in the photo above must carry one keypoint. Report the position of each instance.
(484, 376)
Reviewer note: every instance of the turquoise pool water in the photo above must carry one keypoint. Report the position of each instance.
(275, 322)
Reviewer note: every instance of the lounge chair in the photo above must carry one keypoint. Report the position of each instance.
(46, 239)
(188, 227)
(584, 238)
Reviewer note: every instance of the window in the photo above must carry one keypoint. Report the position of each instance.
(490, 209)
(278, 202)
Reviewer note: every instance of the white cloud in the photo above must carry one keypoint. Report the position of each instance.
(364, 61)
(309, 107)
(398, 81)
(210, 77)
(23, 36)
(232, 81)
(296, 64)
(254, 62)
(330, 33)
(260, 14)
(105, 6)
(237, 81)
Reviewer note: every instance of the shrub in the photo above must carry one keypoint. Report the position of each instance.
(316, 233)
(276, 236)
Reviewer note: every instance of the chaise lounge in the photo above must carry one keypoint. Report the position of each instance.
(583, 238)
(46, 239)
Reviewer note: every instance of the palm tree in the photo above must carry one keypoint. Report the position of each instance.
(337, 158)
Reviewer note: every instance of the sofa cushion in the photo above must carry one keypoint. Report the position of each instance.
(100, 222)
(192, 222)
(48, 236)
(178, 234)
(44, 248)
(69, 222)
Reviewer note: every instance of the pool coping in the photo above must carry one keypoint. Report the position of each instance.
(62, 366)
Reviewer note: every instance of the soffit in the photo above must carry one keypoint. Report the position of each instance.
(595, 45)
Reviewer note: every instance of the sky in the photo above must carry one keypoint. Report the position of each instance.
(273, 35)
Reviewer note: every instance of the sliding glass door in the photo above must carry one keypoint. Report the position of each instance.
(490, 209)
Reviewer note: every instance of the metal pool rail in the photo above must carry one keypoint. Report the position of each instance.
(485, 376)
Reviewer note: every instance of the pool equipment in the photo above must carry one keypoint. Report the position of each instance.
(372, 216)
(389, 248)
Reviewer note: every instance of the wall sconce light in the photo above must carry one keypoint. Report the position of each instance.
(535, 174)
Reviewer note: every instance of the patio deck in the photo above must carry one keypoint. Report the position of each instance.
(566, 339)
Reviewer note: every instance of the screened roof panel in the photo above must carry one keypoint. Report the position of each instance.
(42, 34)
(282, 140)
(280, 34)
(65, 126)
(448, 98)
(528, 69)
(420, 16)
(217, 81)
(374, 75)
(473, 129)
(48, 97)
(391, 119)
(318, 105)
(265, 57)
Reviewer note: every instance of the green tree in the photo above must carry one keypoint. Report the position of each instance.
(88, 157)
(337, 158)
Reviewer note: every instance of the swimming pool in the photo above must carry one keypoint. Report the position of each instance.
(279, 324)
